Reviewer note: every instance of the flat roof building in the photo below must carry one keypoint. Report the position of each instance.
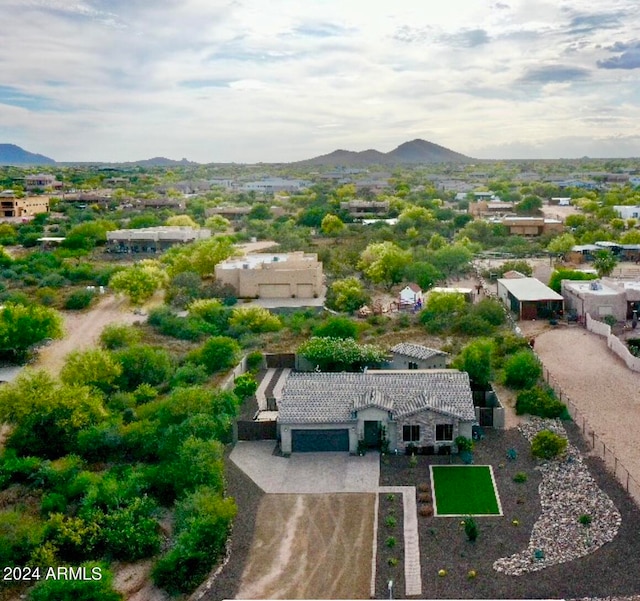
(153, 239)
(529, 298)
(266, 275)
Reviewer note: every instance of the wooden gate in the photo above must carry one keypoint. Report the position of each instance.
(252, 430)
(279, 360)
(485, 415)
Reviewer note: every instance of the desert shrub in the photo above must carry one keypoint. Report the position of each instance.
(424, 487)
(471, 529)
(610, 320)
(79, 299)
(53, 502)
(245, 386)
(522, 370)
(424, 497)
(102, 442)
(254, 361)
(167, 323)
(539, 401)
(506, 345)
(130, 533)
(470, 324)
(393, 562)
(490, 310)
(426, 510)
(75, 538)
(143, 364)
(18, 470)
(20, 534)
(463, 443)
(548, 445)
(520, 478)
(253, 319)
(203, 520)
(216, 354)
(99, 589)
(390, 521)
(585, 519)
(189, 374)
(336, 327)
(391, 542)
(116, 336)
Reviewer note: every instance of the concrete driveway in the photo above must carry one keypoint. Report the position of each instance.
(306, 473)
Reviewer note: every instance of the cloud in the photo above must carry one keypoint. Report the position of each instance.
(33, 102)
(321, 30)
(554, 74)
(589, 23)
(467, 38)
(629, 57)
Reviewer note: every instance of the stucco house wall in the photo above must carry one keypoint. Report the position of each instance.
(400, 361)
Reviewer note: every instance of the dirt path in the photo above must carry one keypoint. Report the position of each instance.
(604, 390)
(311, 547)
(82, 331)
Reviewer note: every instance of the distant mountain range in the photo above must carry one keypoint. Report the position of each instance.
(414, 152)
(10, 154)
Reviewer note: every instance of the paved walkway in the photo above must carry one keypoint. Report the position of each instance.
(412, 571)
(317, 473)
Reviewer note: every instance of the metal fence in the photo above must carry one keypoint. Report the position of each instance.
(596, 445)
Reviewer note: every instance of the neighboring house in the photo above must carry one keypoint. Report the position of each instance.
(529, 298)
(532, 226)
(153, 239)
(165, 202)
(425, 410)
(292, 275)
(10, 206)
(41, 181)
(230, 213)
(627, 211)
(270, 185)
(411, 295)
(484, 208)
(602, 297)
(365, 208)
(563, 201)
(407, 355)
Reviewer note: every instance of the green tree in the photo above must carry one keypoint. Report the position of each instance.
(384, 263)
(336, 327)
(260, 212)
(139, 282)
(254, 319)
(475, 359)
(555, 282)
(217, 223)
(529, 205)
(604, 262)
(332, 225)
(562, 244)
(22, 327)
(217, 353)
(347, 295)
(94, 367)
(116, 336)
(453, 259)
(142, 364)
(522, 370)
(47, 414)
(548, 445)
(539, 401)
(88, 235)
(182, 220)
(446, 303)
(199, 257)
(423, 273)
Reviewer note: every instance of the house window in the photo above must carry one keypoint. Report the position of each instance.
(413, 365)
(410, 433)
(444, 432)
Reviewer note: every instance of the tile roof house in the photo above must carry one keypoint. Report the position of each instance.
(425, 410)
(411, 294)
(407, 355)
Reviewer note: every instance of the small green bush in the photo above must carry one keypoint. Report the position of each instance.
(65, 589)
(391, 542)
(520, 477)
(390, 521)
(393, 562)
(254, 361)
(463, 443)
(539, 401)
(585, 519)
(471, 529)
(116, 336)
(548, 445)
(522, 370)
(78, 300)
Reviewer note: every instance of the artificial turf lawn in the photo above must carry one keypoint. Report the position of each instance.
(464, 490)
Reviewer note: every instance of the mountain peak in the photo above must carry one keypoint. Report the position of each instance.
(412, 152)
(11, 154)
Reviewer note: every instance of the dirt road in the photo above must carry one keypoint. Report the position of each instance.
(82, 331)
(311, 547)
(604, 390)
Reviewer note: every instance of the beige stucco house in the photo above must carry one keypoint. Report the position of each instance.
(423, 410)
(10, 206)
(285, 275)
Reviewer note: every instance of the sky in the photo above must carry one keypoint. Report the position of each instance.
(284, 80)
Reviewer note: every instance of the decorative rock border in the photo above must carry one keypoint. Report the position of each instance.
(567, 491)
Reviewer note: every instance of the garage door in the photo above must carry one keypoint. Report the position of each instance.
(314, 441)
(274, 290)
(305, 290)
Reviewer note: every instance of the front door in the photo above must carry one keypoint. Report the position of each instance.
(372, 434)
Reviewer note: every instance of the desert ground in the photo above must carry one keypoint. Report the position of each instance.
(311, 547)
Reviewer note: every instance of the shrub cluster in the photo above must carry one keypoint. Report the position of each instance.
(539, 401)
